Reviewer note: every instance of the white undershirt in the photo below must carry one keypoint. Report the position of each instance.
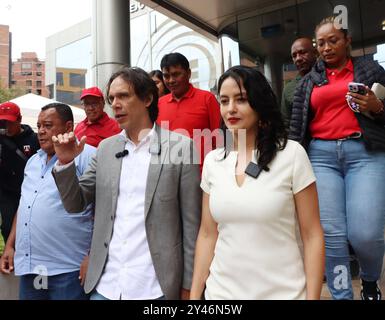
(129, 272)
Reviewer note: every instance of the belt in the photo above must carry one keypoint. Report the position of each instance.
(355, 135)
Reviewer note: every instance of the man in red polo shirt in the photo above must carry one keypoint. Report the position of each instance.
(186, 107)
(98, 125)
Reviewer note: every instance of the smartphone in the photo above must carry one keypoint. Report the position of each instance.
(357, 87)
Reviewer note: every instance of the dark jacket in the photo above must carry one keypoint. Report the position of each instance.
(365, 71)
(12, 165)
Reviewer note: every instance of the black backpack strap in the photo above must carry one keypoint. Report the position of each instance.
(12, 146)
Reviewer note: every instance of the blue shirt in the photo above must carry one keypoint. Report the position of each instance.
(49, 240)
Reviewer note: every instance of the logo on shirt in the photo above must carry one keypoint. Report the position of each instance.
(27, 150)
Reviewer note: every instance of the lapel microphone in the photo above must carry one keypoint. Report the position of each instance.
(121, 154)
(253, 170)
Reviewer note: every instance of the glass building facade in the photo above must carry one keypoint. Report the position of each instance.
(73, 66)
(260, 38)
(152, 36)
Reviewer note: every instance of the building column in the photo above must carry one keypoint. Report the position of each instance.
(110, 38)
(273, 69)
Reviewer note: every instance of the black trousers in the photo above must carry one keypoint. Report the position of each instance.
(9, 202)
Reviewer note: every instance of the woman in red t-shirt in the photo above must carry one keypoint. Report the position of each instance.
(348, 158)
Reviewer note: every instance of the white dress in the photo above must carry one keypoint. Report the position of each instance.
(257, 254)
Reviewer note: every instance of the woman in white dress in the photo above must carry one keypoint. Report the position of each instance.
(255, 193)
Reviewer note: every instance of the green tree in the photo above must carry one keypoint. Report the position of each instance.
(7, 94)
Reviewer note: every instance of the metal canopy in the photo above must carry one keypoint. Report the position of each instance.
(265, 27)
(213, 15)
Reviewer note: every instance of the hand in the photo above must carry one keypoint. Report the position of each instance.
(83, 270)
(6, 260)
(184, 294)
(67, 148)
(368, 102)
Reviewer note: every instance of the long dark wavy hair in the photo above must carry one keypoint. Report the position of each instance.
(159, 74)
(272, 135)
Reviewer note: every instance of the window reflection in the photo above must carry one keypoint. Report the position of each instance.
(73, 70)
(153, 35)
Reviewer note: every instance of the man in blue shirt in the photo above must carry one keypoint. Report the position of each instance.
(47, 245)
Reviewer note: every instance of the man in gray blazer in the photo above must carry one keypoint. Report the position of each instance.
(145, 187)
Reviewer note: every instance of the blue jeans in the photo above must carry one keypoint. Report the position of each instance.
(64, 286)
(97, 296)
(351, 191)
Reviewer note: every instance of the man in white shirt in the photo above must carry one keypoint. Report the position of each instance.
(145, 186)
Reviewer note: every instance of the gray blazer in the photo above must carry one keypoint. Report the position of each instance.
(172, 206)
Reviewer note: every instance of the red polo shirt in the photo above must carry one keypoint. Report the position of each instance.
(333, 119)
(98, 131)
(198, 109)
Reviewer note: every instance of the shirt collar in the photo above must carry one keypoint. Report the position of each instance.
(41, 153)
(189, 94)
(146, 139)
(103, 120)
(43, 157)
(349, 67)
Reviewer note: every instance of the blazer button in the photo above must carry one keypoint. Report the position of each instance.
(105, 245)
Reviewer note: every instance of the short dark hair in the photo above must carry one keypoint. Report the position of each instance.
(272, 135)
(174, 59)
(63, 110)
(144, 87)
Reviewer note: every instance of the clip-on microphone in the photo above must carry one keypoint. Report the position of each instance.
(253, 170)
(121, 154)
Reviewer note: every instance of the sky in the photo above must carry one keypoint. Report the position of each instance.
(32, 21)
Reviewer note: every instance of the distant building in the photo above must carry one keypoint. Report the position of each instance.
(68, 62)
(5, 56)
(69, 85)
(28, 73)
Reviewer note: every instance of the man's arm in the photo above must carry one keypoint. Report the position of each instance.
(6, 260)
(287, 102)
(296, 118)
(285, 107)
(76, 194)
(190, 197)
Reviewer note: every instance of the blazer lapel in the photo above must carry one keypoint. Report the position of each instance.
(115, 170)
(158, 150)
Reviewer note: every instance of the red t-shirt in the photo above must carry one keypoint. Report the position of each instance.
(96, 132)
(198, 109)
(333, 119)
